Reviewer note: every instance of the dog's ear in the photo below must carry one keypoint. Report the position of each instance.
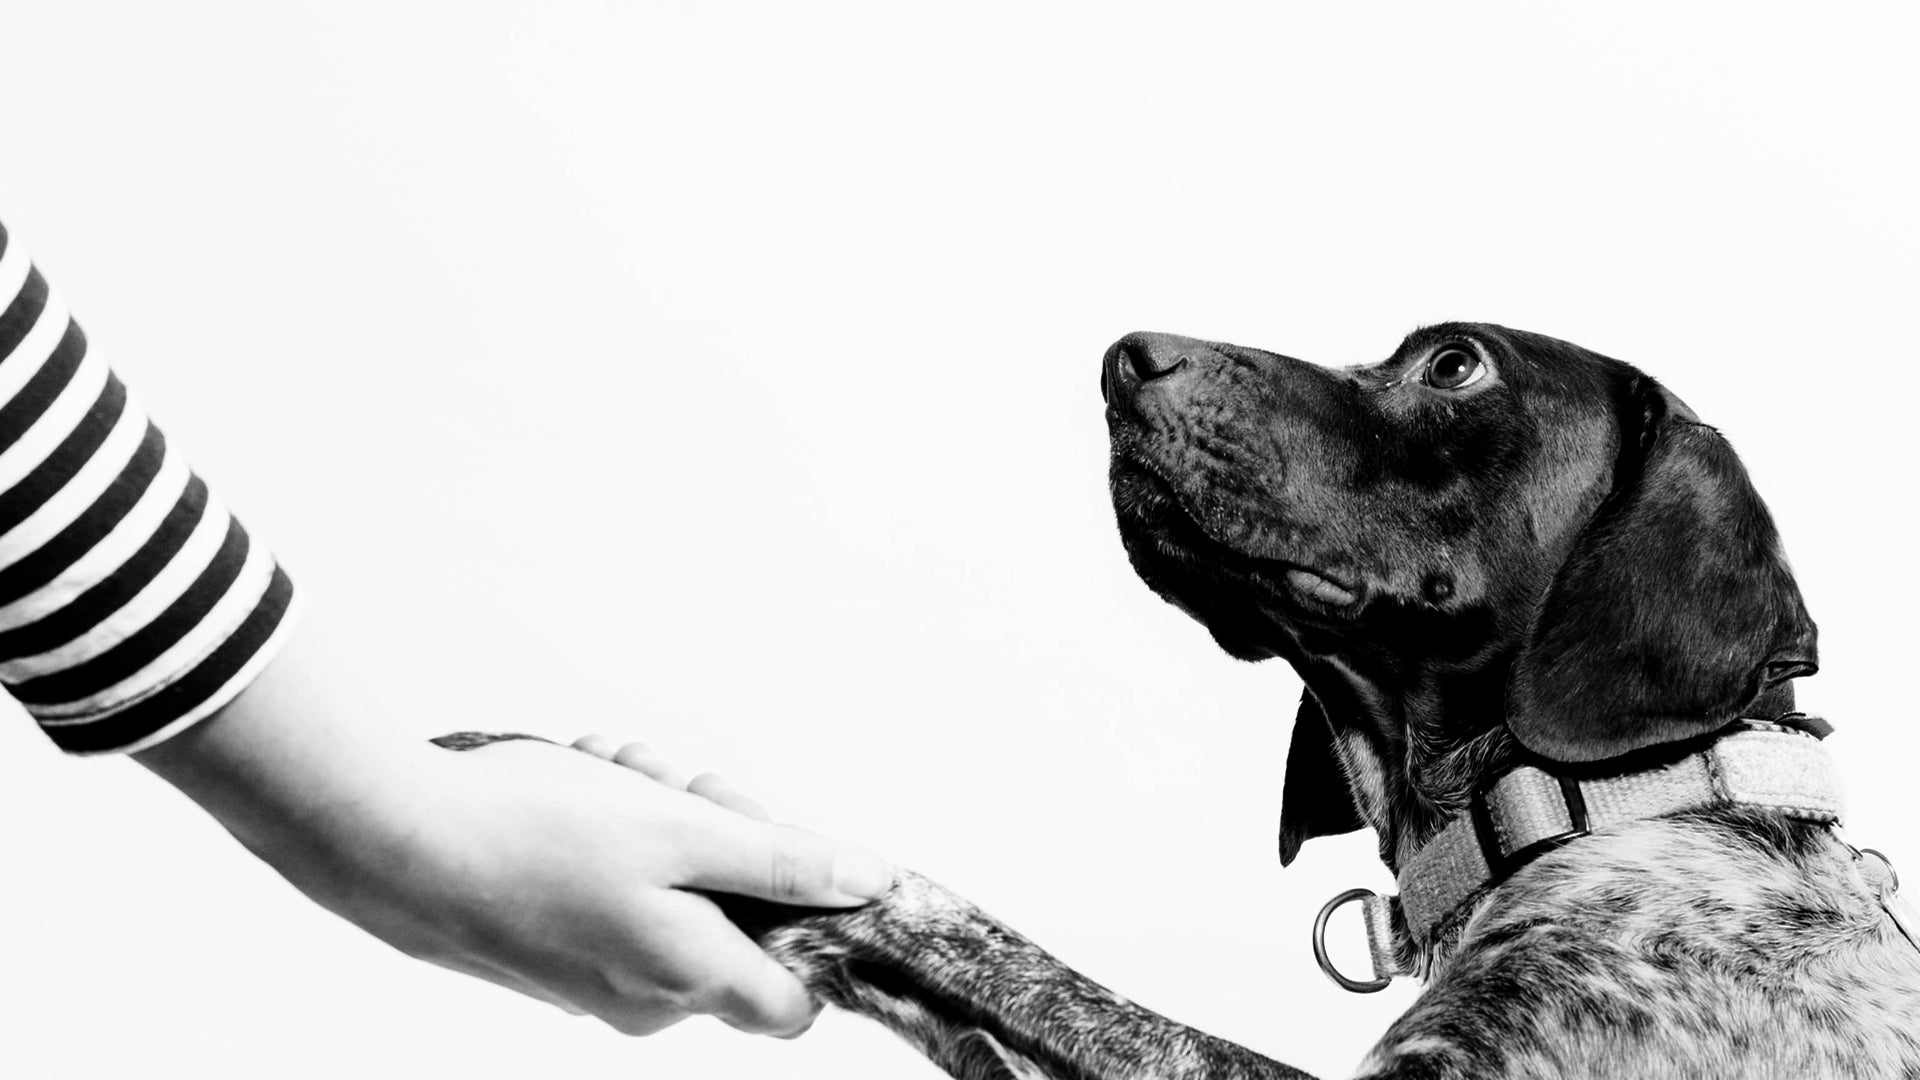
(1673, 613)
(1316, 800)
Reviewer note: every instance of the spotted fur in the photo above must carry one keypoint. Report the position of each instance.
(978, 999)
(1724, 944)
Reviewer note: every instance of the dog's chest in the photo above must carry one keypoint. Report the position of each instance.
(1684, 948)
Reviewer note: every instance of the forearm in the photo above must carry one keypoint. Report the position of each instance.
(305, 769)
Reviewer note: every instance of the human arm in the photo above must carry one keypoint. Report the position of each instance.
(527, 864)
(136, 614)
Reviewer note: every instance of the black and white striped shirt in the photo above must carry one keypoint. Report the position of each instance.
(131, 601)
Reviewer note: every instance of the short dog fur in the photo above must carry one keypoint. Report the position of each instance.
(1491, 544)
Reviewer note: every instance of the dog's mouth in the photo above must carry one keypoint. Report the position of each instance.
(1158, 525)
(1320, 587)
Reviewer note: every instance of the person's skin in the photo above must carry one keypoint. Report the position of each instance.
(534, 866)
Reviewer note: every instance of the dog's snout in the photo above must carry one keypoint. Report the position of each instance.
(1141, 358)
(1150, 356)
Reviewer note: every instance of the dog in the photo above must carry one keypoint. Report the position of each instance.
(1548, 639)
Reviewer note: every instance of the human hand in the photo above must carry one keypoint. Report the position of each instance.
(530, 865)
(668, 952)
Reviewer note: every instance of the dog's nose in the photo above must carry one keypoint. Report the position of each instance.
(1141, 358)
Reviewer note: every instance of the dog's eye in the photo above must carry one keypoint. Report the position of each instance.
(1453, 368)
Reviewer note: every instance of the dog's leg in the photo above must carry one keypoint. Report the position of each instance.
(978, 999)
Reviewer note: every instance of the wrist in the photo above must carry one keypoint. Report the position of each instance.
(302, 765)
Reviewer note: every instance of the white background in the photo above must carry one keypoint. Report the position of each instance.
(726, 376)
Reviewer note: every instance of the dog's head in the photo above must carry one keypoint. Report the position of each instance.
(1491, 536)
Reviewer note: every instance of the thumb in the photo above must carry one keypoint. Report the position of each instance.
(735, 854)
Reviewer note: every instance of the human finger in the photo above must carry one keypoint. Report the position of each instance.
(598, 745)
(643, 1021)
(641, 758)
(741, 985)
(785, 1023)
(736, 854)
(713, 788)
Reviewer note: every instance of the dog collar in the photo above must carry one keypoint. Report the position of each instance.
(1529, 810)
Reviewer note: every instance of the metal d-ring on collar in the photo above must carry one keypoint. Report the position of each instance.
(1357, 986)
(1884, 881)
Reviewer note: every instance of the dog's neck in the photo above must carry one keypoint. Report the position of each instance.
(1536, 808)
(1415, 746)
(1411, 751)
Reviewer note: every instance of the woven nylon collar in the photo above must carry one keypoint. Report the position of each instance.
(1529, 811)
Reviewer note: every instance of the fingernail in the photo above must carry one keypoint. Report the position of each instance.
(861, 874)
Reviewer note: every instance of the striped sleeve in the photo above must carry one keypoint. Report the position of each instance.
(132, 603)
